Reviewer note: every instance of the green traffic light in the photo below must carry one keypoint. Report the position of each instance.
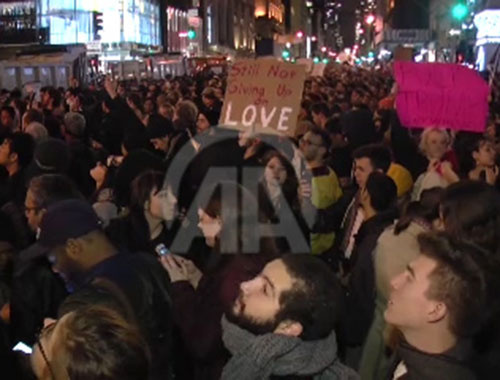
(316, 60)
(460, 11)
(191, 34)
(326, 61)
(285, 54)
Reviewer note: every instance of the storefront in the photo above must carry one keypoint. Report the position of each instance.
(123, 21)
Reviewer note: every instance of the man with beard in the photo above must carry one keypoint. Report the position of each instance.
(134, 284)
(282, 324)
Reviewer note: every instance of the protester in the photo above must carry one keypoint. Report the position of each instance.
(51, 156)
(282, 323)
(207, 119)
(279, 189)
(350, 215)
(160, 132)
(74, 131)
(320, 114)
(234, 258)
(378, 200)
(358, 123)
(470, 213)
(478, 159)
(434, 144)
(144, 228)
(32, 271)
(340, 154)
(437, 303)
(7, 119)
(323, 190)
(16, 153)
(416, 218)
(51, 102)
(92, 342)
(96, 272)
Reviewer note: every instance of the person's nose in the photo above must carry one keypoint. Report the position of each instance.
(250, 286)
(397, 281)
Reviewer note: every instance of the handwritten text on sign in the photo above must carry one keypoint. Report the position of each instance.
(264, 95)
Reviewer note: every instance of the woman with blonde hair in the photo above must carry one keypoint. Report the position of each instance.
(435, 144)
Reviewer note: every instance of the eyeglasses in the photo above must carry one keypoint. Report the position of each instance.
(44, 332)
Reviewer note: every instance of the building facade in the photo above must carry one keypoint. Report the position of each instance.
(487, 44)
(229, 27)
(18, 23)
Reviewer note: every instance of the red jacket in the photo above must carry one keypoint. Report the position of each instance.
(197, 313)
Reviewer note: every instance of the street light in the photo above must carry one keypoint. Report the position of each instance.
(370, 19)
(460, 11)
(191, 34)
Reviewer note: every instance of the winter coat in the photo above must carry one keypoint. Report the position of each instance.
(198, 312)
(392, 254)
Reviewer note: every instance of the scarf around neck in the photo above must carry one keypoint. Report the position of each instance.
(261, 356)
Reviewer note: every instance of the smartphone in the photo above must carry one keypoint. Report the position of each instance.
(23, 347)
(162, 250)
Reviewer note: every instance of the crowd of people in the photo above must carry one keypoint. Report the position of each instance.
(140, 239)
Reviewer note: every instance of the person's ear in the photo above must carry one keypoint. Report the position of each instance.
(14, 157)
(289, 328)
(437, 312)
(475, 156)
(74, 249)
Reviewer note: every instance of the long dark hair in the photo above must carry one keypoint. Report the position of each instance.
(141, 189)
(427, 209)
(290, 186)
(471, 212)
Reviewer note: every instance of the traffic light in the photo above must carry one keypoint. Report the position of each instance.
(286, 54)
(97, 24)
(191, 34)
(460, 11)
(316, 60)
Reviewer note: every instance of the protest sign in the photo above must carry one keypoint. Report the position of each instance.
(263, 96)
(441, 95)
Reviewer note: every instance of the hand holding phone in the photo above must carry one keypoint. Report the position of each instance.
(162, 250)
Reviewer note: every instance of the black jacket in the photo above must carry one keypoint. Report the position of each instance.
(360, 294)
(359, 127)
(82, 162)
(37, 293)
(138, 287)
(422, 366)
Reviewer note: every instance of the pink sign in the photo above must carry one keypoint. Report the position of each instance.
(441, 95)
